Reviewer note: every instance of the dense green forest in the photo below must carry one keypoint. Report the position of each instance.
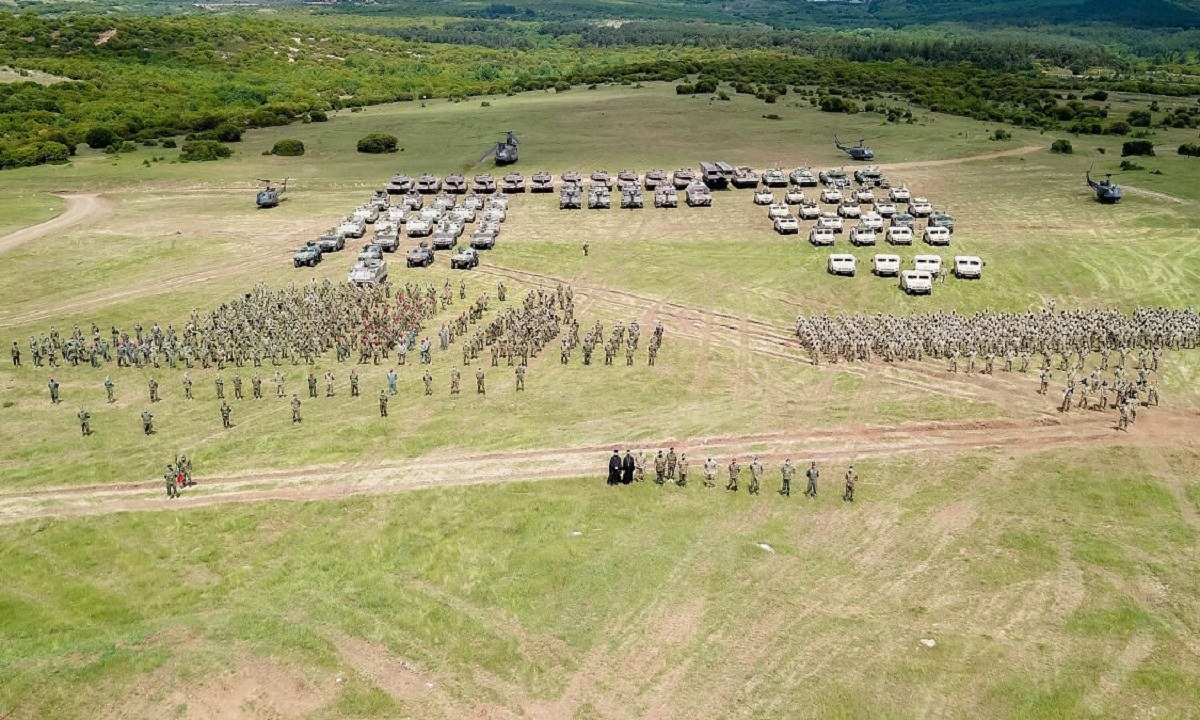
(139, 78)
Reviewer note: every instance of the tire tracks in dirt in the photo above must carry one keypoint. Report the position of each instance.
(81, 207)
(452, 468)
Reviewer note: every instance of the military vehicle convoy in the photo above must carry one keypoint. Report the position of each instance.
(541, 182)
(309, 255)
(698, 195)
(744, 177)
(420, 256)
(465, 259)
(666, 196)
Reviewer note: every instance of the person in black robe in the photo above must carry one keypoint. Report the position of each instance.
(614, 469)
(628, 465)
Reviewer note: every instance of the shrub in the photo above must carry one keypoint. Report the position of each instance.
(723, 96)
(318, 116)
(1001, 134)
(1117, 127)
(1062, 147)
(685, 89)
(837, 104)
(1137, 147)
(120, 146)
(562, 86)
(227, 133)
(1189, 150)
(288, 147)
(378, 143)
(204, 151)
(169, 143)
(1140, 118)
(485, 103)
(771, 116)
(100, 137)
(1099, 96)
(1130, 166)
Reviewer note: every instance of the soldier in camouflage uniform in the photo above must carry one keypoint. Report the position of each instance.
(788, 470)
(660, 468)
(109, 389)
(85, 421)
(710, 473)
(383, 403)
(683, 469)
(756, 473)
(295, 408)
(520, 372)
(147, 422)
(735, 472)
(225, 413)
(170, 478)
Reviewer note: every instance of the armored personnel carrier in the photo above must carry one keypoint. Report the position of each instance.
(462, 214)
(601, 178)
(803, 177)
(399, 185)
(763, 196)
(445, 201)
(570, 197)
(599, 198)
(498, 202)
(666, 196)
(308, 255)
(541, 182)
(774, 178)
(631, 197)
(381, 201)
(367, 213)
(352, 227)
(465, 259)
(472, 201)
(683, 178)
(698, 195)
(483, 183)
(744, 177)
(428, 184)
(414, 201)
(419, 227)
(455, 183)
(656, 178)
(495, 215)
(368, 273)
(387, 236)
(420, 256)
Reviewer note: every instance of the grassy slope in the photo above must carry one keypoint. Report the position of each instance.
(1050, 590)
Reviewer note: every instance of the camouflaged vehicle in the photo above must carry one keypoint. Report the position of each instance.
(513, 182)
(420, 256)
(331, 241)
(870, 175)
(541, 182)
(601, 178)
(835, 177)
(656, 178)
(625, 178)
(455, 183)
(571, 177)
(570, 197)
(666, 196)
(903, 219)
(400, 184)
(744, 177)
(631, 198)
(803, 177)
(698, 195)
(942, 219)
(428, 184)
(483, 183)
(414, 201)
(309, 255)
(683, 178)
(599, 198)
(465, 259)
(774, 178)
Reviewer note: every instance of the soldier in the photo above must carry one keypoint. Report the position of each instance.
(256, 386)
(109, 388)
(683, 469)
(185, 467)
(85, 422)
(710, 473)
(500, 290)
(585, 249)
(851, 481)
(295, 408)
(237, 387)
(671, 461)
(1068, 393)
(788, 470)
(1045, 381)
(393, 378)
(756, 472)
(462, 289)
(225, 412)
(479, 381)
(652, 353)
(220, 383)
(353, 382)
(428, 380)
(454, 380)
(383, 402)
(813, 475)
(147, 422)
(278, 384)
(153, 385)
(187, 386)
(735, 471)
(953, 361)
(660, 468)
(640, 467)
(629, 354)
(1123, 422)
(312, 384)
(169, 478)
(16, 354)
(328, 383)
(520, 378)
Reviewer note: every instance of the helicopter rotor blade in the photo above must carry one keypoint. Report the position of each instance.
(491, 151)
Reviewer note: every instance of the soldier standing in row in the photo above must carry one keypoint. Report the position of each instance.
(109, 389)
(220, 383)
(85, 421)
(147, 422)
(640, 466)
(169, 478)
(428, 380)
(479, 381)
(53, 385)
(851, 482)
(710, 473)
(383, 403)
(278, 384)
(225, 412)
(256, 386)
(671, 461)
(756, 472)
(353, 382)
(520, 378)
(683, 468)
(660, 468)
(328, 383)
(237, 387)
(813, 475)
(735, 472)
(295, 408)
(153, 385)
(788, 470)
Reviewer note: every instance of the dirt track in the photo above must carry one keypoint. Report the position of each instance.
(853, 442)
(81, 208)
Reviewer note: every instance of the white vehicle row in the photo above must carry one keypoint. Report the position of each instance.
(917, 280)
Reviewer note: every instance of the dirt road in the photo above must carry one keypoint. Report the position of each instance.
(81, 208)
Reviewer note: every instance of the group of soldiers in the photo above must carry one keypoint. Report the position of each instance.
(672, 468)
(178, 476)
(630, 338)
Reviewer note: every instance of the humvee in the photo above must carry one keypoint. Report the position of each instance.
(831, 195)
(308, 255)
(820, 236)
(420, 256)
(793, 196)
(920, 207)
(849, 209)
(842, 264)
(465, 259)
(331, 241)
(483, 239)
(860, 236)
(777, 210)
(916, 282)
(787, 225)
(809, 210)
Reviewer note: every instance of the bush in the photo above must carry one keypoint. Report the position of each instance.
(1117, 127)
(1099, 96)
(100, 137)
(562, 86)
(1137, 147)
(837, 104)
(1140, 118)
(1062, 147)
(685, 89)
(169, 143)
(228, 133)
(288, 147)
(1129, 166)
(1189, 150)
(204, 151)
(120, 146)
(318, 116)
(771, 116)
(723, 96)
(378, 143)
(1001, 134)
(485, 103)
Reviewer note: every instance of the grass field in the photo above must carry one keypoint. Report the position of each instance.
(1052, 561)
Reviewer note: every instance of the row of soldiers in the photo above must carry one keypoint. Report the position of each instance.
(632, 468)
(612, 346)
(1011, 337)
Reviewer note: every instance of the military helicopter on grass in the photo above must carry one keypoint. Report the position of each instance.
(270, 196)
(505, 151)
(856, 152)
(1107, 191)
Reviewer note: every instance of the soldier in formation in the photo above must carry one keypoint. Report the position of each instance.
(85, 422)
(735, 472)
(147, 421)
(383, 403)
(813, 474)
(226, 411)
(788, 470)
(851, 483)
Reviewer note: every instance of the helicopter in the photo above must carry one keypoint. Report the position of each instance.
(505, 151)
(269, 196)
(856, 152)
(1107, 191)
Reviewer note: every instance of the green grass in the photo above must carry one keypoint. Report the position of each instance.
(22, 209)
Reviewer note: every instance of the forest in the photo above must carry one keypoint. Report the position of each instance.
(131, 78)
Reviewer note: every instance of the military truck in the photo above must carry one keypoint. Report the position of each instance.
(399, 185)
(698, 195)
(787, 225)
(483, 183)
(420, 256)
(368, 273)
(794, 196)
(683, 178)
(308, 255)
(803, 177)
(655, 178)
(455, 183)
(541, 182)
(716, 175)
(570, 197)
(631, 197)
(513, 182)
(744, 177)
(331, 241)
(465, 259)
(774, 178)
(763, 196)
(599, 198)
(428, 184)
(666, 196)
(387, 236)
(483, 239)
